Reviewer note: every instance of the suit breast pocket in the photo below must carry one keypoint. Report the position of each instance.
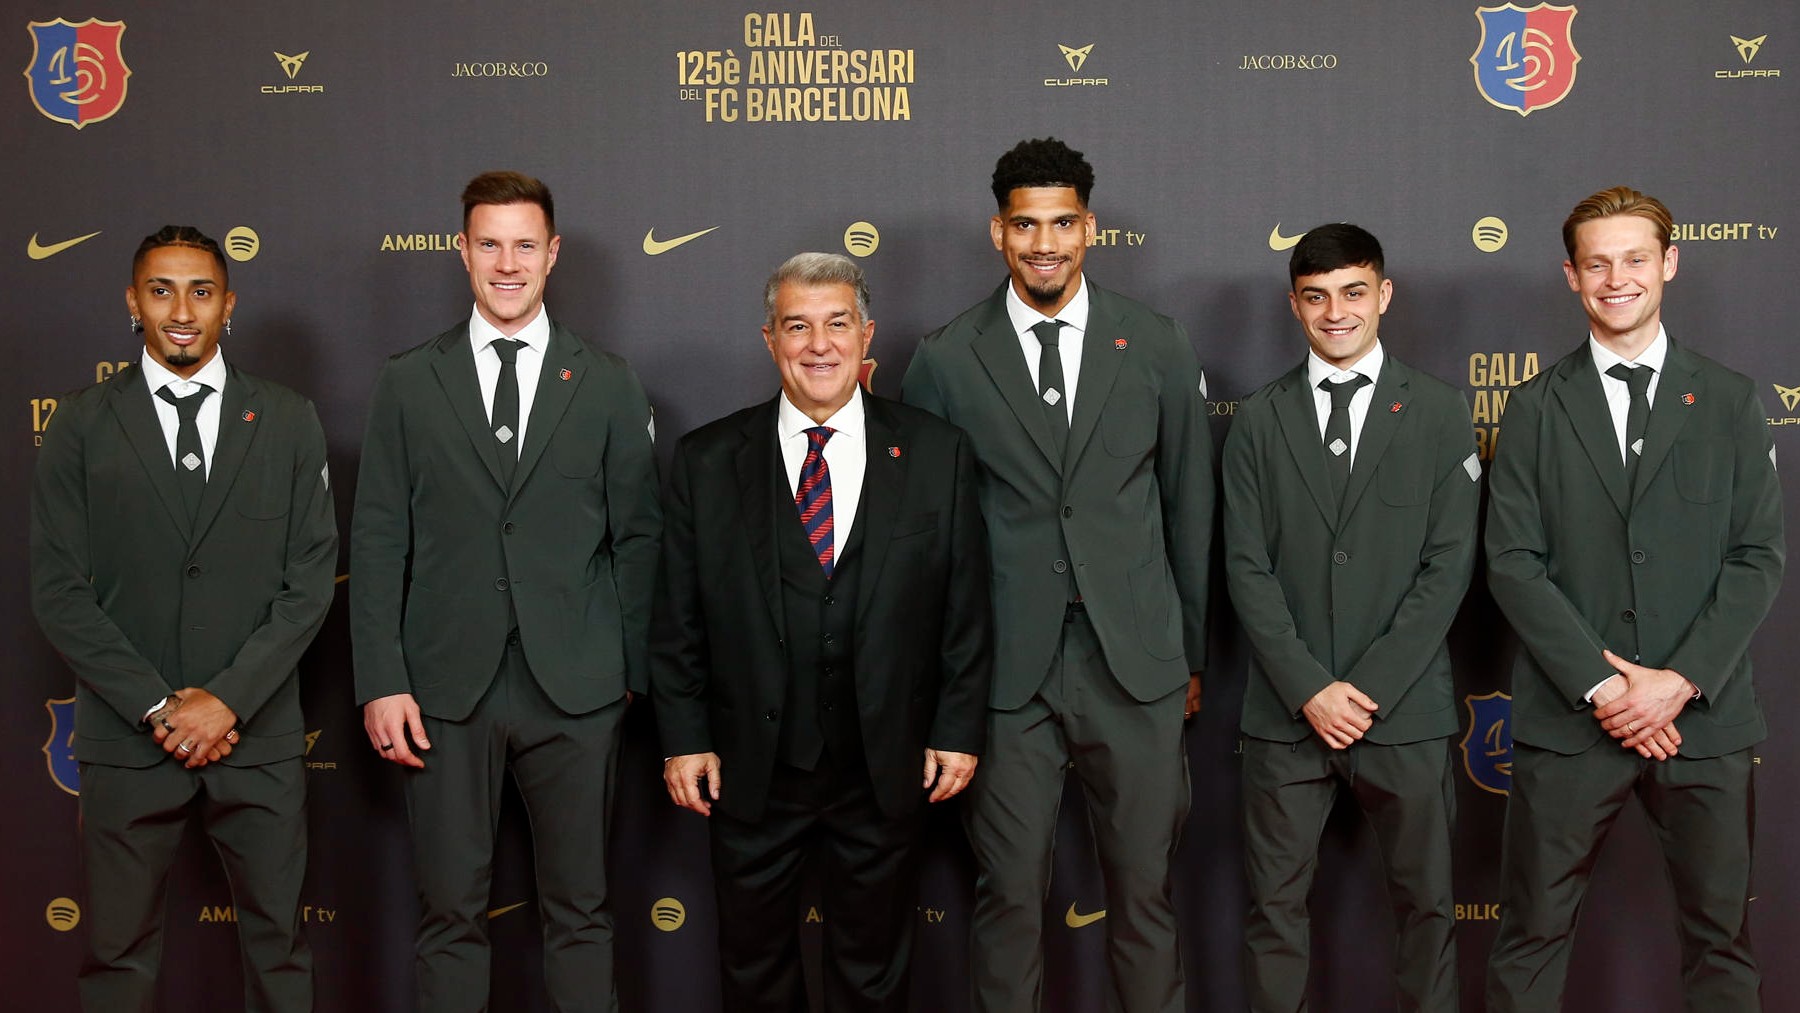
(1404, 476)
(1702, 469)
(262, 490)
(1128, 422)
(577, 454)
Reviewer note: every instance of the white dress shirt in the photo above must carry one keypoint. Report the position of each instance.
(1318, 370)
(1618, 392)
(1074, 318)
(213, 374)
(528, 365)
(846, 459)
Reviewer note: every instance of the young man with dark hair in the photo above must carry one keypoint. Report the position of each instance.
(504, 551)
(1088, 415)
(1634, 541)
(1351, 491)
(183, 548)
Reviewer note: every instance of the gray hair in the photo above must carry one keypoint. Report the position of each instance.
(811, 269)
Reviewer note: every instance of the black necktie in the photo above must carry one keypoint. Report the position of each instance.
(1050, 382)
(506, 406)
(1637, 417)
(1337, 431)
(190, 455)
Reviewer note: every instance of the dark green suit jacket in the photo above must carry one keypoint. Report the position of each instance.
(1132, 499)
(1364, 593)
(139, 607)
(441, 552)
(1678, 571)
(923, 651)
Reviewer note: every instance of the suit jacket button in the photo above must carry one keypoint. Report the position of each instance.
(1637, 555)
(1068, 511)
(507, 527)
(1629, 615)
(1340, 557)
(193, 570)
(501, 584)
(771, 715)
(1060, 566)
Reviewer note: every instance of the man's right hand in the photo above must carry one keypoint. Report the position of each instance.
(1339, 713)
(682, 776)
(396, 729)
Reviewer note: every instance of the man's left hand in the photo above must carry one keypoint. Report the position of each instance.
(1192, 706)
(1655, 698)
(951, 771)
(202, 730)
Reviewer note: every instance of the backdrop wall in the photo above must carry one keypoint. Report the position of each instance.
(326, 144)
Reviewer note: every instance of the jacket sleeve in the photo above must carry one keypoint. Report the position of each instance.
(967, 643)
(1184, 474)
(1551, 628)
(679, 651)
(269, 656)
(62, 589)
(634, 520)
(380, 544)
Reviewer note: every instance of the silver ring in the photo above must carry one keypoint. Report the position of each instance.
(167, 727)
(185, 747)
(231, 736)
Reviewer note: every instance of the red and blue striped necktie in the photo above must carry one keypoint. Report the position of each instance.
(814, 496)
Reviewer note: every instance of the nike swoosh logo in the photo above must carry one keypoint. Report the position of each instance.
(1076, 921)
(497, 912)
(1279, 242)
(37, 252)
(654, 246)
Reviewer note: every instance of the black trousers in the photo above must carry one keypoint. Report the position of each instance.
(868, 867)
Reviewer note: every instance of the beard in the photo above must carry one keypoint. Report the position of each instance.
(180, 357)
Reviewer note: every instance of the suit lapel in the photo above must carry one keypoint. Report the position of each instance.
(454, 365)
(1100, 364)
(237, 430)
(1584, 400)
(1298, 418)
(757, 460)
(1669, 414)
(130, 398)
(997, 346)
(564, 354)
(1379, 426)
(884, 483)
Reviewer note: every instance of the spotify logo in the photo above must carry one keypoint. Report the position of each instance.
(63, 914)
(668, 914)
(1489, 234)
(861, 239)
(242, 243)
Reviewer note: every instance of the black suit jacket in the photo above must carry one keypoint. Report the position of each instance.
(139, 607)
(923, 632)
(441, 552)
(1364, 592)
(1679, 570)
(1132, 498)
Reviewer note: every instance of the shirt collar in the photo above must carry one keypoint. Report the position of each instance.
(847, 420)
(1369, 365)
(1074, 316)
(1605, 358)
(157, 376)
(535, 334)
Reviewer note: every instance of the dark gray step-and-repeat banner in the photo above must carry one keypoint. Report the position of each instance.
(694, 146)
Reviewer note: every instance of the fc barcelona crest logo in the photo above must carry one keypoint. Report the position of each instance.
(1487, 746)
(77, 73)
(59, 748)
(1526, 59)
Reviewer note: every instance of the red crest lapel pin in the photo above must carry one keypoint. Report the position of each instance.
(1120, 343)
(893, 451)
(1395, 407)
(565, 374)
(1687, 399)
(250, 416)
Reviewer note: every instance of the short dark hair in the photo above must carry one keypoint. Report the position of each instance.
(1044, 162)
(181, 235)
(506, 187)
(1332, 247)
(1618, 200)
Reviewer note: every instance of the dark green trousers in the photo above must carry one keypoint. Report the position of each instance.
(1702, 812)
(1408, 796)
